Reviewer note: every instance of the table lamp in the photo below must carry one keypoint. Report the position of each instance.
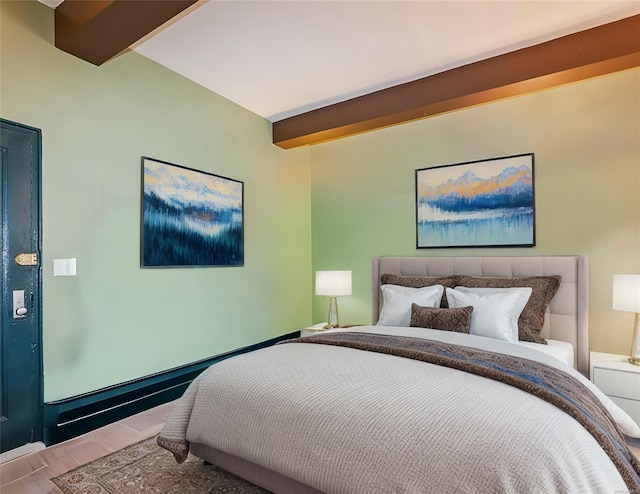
(333, 284)
(626, 297)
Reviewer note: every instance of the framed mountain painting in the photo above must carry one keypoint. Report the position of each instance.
(190, 218)
(485, 203)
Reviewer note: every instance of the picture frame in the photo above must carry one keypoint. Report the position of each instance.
(483, 203)
(190, 218)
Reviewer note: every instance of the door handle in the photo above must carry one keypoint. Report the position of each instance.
(19, 310)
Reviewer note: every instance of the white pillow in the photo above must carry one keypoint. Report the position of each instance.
(495, 310)
(397, 300)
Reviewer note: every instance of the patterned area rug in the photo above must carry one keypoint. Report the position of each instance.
(145, 467)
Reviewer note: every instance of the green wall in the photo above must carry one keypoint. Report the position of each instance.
(586, 141)
(344, 201)
(114, 321)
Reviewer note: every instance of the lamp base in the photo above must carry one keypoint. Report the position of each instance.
(635, 345)
(332, 318)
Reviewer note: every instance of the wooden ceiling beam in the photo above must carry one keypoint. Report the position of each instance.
(97, 30)
(590, 53)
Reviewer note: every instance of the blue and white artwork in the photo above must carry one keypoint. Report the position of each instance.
(476, 204)
(190, 218)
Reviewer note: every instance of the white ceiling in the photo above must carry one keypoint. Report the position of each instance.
(281, 58)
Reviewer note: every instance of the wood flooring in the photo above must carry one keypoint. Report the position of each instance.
(30, 474)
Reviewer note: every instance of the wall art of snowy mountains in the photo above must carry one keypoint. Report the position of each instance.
(190, 218)
(482, 203)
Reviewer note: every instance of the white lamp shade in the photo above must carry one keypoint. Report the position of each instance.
(626, 292)
(333, 283)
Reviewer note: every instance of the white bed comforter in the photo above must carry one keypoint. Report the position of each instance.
(348, 421)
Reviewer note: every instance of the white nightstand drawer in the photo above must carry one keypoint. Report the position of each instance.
(616, 383)
(632, 407)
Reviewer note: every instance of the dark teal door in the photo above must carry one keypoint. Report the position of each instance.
(21, 338)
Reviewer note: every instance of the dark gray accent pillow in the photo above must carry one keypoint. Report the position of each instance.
(458, 320)
(532, 317)
(420, 282)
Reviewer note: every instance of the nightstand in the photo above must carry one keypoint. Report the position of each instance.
(320, 328)
(315, 329)
(619, 380)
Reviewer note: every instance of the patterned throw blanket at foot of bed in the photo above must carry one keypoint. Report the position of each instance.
(548, 383)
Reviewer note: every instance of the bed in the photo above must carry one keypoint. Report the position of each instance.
(392, 408)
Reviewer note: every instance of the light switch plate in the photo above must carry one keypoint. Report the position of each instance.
(64, 267)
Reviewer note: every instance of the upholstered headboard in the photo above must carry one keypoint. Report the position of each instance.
(567, 318)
